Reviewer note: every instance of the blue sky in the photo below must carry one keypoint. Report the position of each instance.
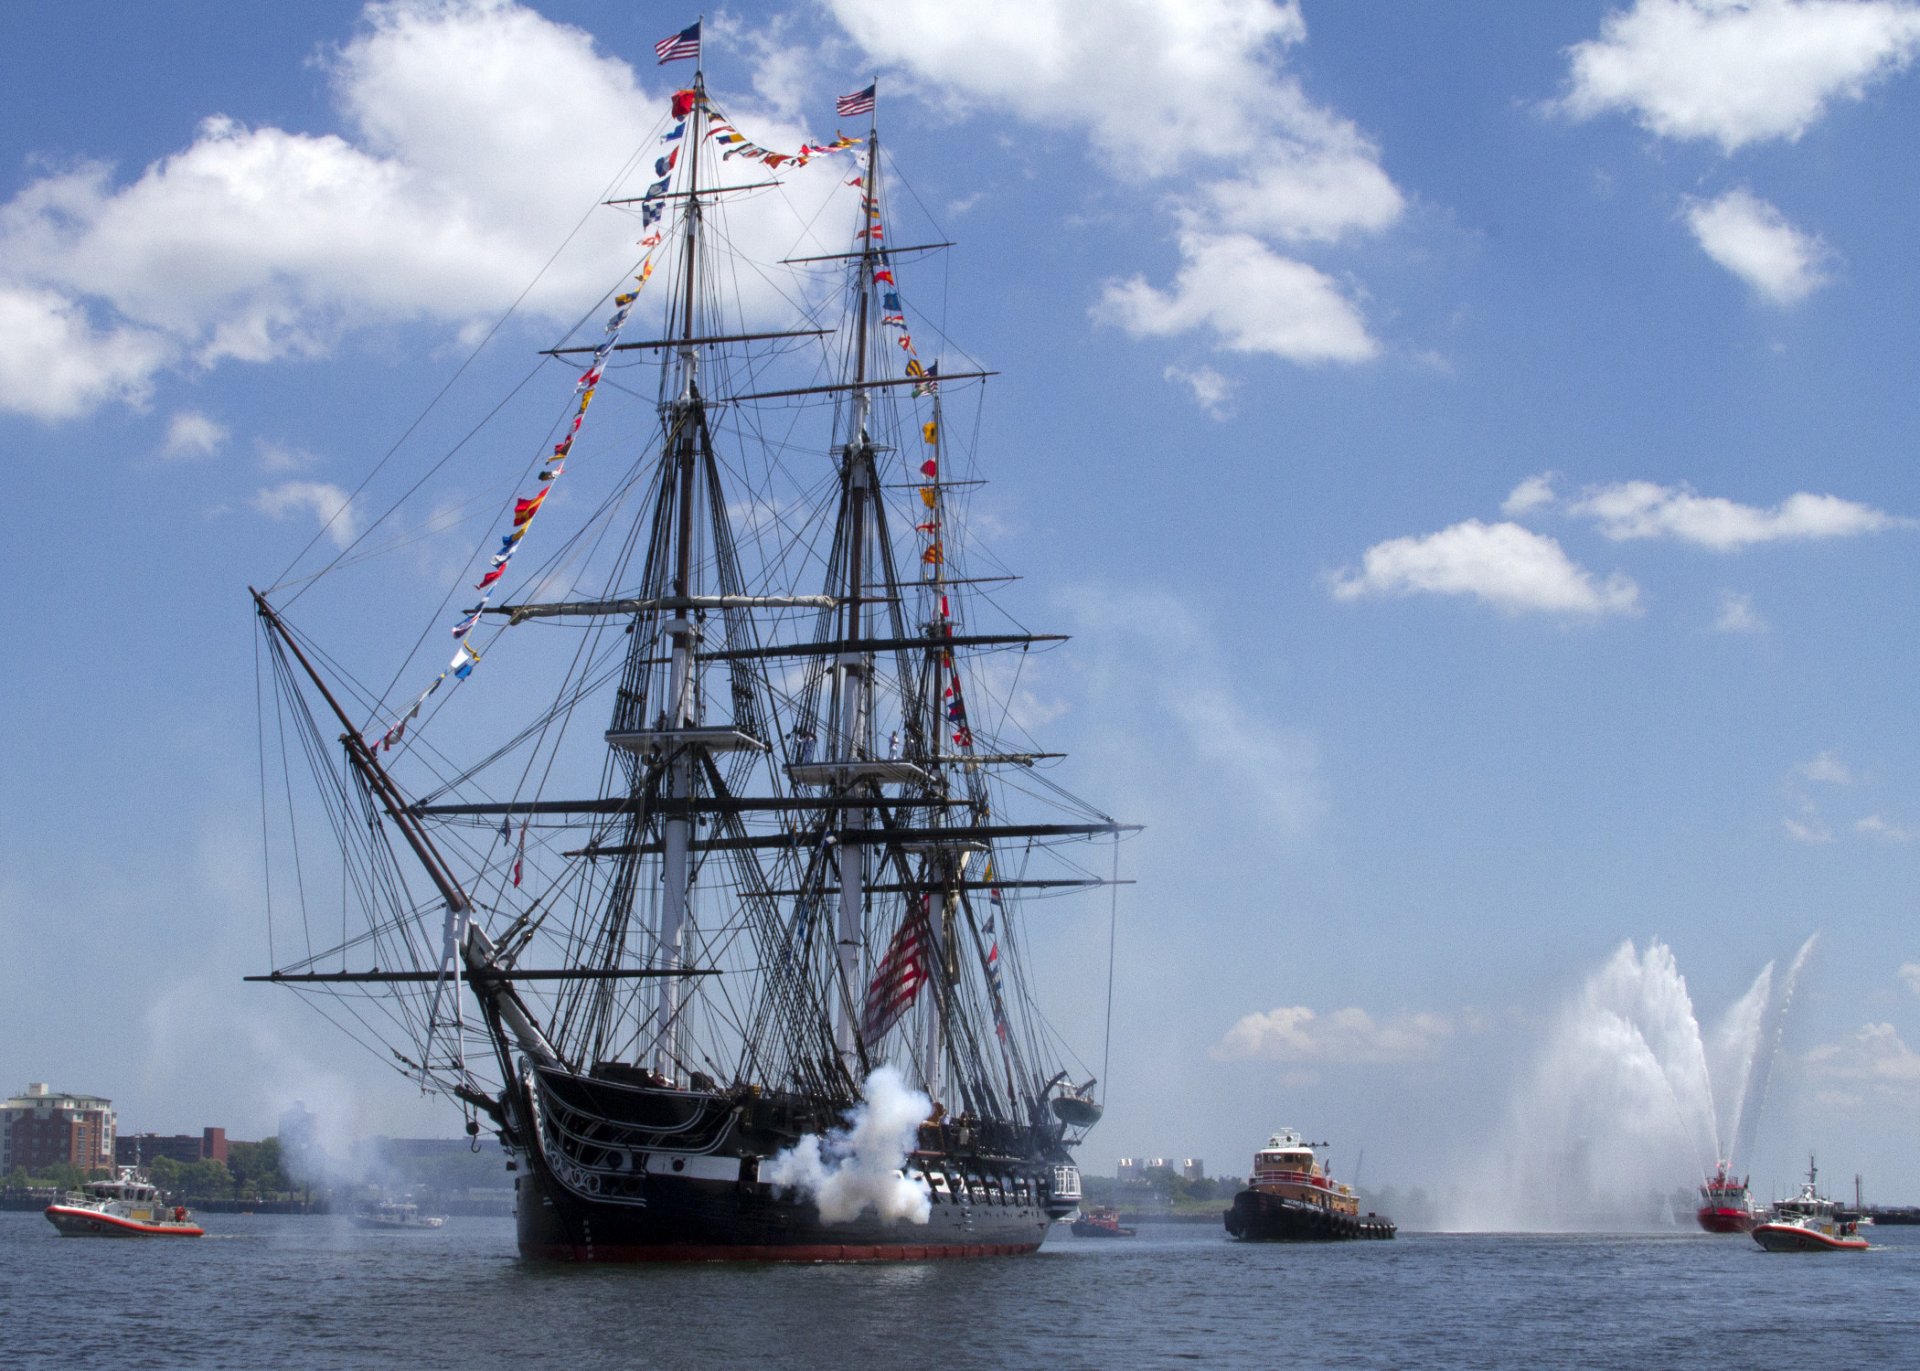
(1469, 445)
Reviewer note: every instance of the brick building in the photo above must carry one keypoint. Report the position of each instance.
(43, 1128)
(141, 1149)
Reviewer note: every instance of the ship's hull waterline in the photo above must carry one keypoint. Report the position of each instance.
(617, 1199)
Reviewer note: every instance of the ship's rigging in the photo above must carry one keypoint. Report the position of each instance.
(761, 832)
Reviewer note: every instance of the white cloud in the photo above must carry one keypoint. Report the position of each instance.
(55, 364)
(1503, 564)
(280, 458)
(1875, 1057)
(325, 501)
(1814, 832)
(476, 134)
(1346, 1037)
(1536, 492)
(191, 436)
(1211, 390)
(1910, 974)
(1737, 614)
(1875, 826)
(1153, 83)
(1738, 71)
(1754, 241)
(1644, 509)
(1163, 681)
(1826, 768)
(1251, 298)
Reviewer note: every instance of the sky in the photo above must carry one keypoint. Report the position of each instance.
(1470, 447)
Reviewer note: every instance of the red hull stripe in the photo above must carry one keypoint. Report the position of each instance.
(149, 1230)
(810, 1252)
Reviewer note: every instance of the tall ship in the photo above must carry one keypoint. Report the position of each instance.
(715, 910)
(1291, 1198)
(1725, 1206)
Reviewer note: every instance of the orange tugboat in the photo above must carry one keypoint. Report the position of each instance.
(1290, 1198)
(1724, 1206)
(1099, 1223)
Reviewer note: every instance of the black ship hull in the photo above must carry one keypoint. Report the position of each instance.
(1260, 1217)
(616, 1173)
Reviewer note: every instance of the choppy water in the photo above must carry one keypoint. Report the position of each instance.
(285, 1294)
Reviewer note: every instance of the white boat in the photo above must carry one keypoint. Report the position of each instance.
(391, 1214)
(1810, 1222)
(127, 1207)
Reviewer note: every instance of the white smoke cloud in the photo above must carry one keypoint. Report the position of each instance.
(858, 1167)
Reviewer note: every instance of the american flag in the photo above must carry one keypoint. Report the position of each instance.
(860, 102)
(897, 980)
(684, 44)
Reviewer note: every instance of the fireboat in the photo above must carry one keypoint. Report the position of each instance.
(1724, 1206)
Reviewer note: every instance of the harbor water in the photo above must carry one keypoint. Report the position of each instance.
(290, 1293)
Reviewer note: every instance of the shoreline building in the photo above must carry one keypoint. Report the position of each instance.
(44, 1127)
(142, 1149)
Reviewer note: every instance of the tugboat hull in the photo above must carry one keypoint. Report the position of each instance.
(1260, 1217)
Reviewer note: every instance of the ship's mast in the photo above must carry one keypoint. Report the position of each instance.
(681, 710)
(853, 724)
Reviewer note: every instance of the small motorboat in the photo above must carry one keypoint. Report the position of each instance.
(1099, 1223)
(127, 1207)
(1810, 1222)
(390, 1215)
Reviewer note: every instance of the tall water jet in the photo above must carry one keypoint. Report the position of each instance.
(1618, 1121)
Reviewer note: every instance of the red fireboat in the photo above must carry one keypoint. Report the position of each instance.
(1724, 1207)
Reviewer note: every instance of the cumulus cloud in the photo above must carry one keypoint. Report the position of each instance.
(1910, 974)
(1875, 1057)
(55, 363)
(1812, 832)
(1211, 390)
(1502, 564)
(1736, 72)
(326, 502)
(1754, 241)
(1874, 826)
(1317, 178)
(1249, 297)
(1644, 509)
(1345, 1037)
(1534, 493)
(1826, 768)
(461, 164)
(192, 436)
(1737, 614)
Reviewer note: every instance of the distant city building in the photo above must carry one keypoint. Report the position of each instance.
(1193, 1169)
(1130, 1169)
(1156, 1164)
(45, 1128)
(143, 1149)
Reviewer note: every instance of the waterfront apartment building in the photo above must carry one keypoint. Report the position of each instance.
(45, 1127)
(142, 1149)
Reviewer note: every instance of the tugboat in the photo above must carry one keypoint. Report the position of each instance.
(1290, 1198)
(1810, 1222)
(128, 1207)
(1724, 1206)
(1099, 1223)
